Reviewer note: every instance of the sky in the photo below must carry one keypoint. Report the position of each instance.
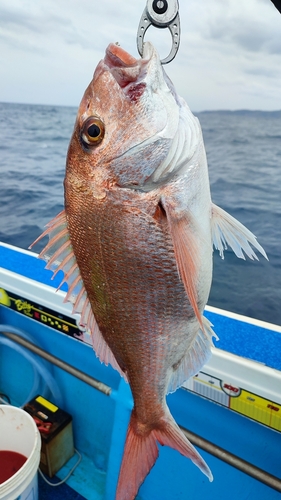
(229, 55)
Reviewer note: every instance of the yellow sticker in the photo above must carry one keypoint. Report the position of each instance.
(260, 409)
(47, 404)
(4, 298)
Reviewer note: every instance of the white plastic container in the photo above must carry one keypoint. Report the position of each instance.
(19, 433)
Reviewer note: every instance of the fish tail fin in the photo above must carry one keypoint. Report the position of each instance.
(171, 435)
(141, 452)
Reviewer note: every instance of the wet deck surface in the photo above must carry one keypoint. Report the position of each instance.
(62, 492)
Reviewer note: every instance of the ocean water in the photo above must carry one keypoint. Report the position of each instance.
(244, 157)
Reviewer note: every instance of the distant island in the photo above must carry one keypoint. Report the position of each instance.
(276, 113)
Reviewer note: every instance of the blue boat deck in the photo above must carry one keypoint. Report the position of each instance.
(251, 340)
(100, 421)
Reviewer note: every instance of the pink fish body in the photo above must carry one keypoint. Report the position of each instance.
(135, 243)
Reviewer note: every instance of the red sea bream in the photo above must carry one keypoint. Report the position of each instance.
(135, 242)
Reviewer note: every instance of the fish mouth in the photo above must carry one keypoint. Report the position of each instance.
(116, 56)
(124, 67)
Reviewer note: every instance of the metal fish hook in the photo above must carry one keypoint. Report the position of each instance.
(161, 14)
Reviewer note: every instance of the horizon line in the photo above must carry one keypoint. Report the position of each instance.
(216, 110)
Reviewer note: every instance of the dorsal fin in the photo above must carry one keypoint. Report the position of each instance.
(226, 230)
(59, 255)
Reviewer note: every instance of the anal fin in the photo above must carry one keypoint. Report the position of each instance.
(197, 355)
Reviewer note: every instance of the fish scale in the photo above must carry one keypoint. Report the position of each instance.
(135, 244)
(142, 250)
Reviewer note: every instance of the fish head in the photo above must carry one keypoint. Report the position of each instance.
(126, 121)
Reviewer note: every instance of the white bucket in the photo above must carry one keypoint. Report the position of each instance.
(19, 433)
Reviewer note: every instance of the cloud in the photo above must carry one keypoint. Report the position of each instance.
(56, 22)
(254, 28)
(49, 50)
(253, 36)
(35, 21)
(31, 30)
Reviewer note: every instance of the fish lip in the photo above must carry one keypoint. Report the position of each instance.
(116, 56)
(124, 67)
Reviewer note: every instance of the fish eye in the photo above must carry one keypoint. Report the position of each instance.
(92, 132)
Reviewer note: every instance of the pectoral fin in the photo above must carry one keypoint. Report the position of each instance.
(227, 231)
(186, 254)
